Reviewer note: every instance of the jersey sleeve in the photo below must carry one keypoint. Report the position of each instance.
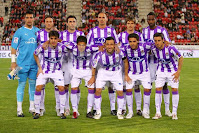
(166, 35)
(175, 52)
(90, 37)
(123, 54)
(94, 48)
(16, 40)
(141, 38)
(95, 60)
(69, 45)
(115, 36)
(64, 49)
(38, 50)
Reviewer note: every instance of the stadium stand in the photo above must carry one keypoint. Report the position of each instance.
(41, 8)
(180, 18)
(116, 10)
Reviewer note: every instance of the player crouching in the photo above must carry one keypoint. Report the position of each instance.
(50, 67)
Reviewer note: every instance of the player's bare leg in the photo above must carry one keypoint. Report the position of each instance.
(67, 107)
(97, 102)
(175, 101)
(37, 101)
(138, 99)
(146, 103)
(62, 97)
(90, 102)
(166, 96)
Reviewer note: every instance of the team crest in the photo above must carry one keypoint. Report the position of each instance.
(109, 33)
(16, 40)
(117, 59)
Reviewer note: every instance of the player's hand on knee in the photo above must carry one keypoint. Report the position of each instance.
(128, 79)
(91, 81)
(13, 65)
(176, 76)
(45, 44)
(39, 71)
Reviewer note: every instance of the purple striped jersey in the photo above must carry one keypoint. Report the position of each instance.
(138, 58)
(42, 36)
(97, 36)
(66, 36)
(108, 62)
(51, 60)
(82, 60)
(167, 58)
(123, 38)
(148, 37)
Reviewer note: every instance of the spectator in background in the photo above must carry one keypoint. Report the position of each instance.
(1, 21)
(6, 10)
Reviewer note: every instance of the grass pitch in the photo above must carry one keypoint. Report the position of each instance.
(187, 110)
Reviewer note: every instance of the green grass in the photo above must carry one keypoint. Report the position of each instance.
(187, 111)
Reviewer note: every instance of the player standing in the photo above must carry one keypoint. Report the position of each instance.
(148, 33)
(50, 67)
(123, 38)
(25, 41)
(169, 67)
(82, 56)
(110, 69)
(97, 36)
(43, 36)
(69, 35)
(137, 55)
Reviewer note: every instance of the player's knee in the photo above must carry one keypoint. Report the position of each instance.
(174, 89)
(98, 91)
(91, 89)
(128, 90)
(39, 88)
(159, 89)
(120, 93)
(147, 90)
(75, 88)
(61, 88)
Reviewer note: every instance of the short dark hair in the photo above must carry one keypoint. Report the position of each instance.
(110, 38)
(71, 16)
(54, 33)
(81, 39)
(29, 11)
(48, 16)
(131, 19)
(133, 35)
(151, 13)
(158, 35)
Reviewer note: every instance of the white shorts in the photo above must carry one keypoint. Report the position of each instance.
(67, 72)
(163, 77)
(81, 74)
(144, 78)
(57, 77)
(153, 69)
(115, 77)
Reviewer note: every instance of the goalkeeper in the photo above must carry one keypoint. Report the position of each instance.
(25, 41)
